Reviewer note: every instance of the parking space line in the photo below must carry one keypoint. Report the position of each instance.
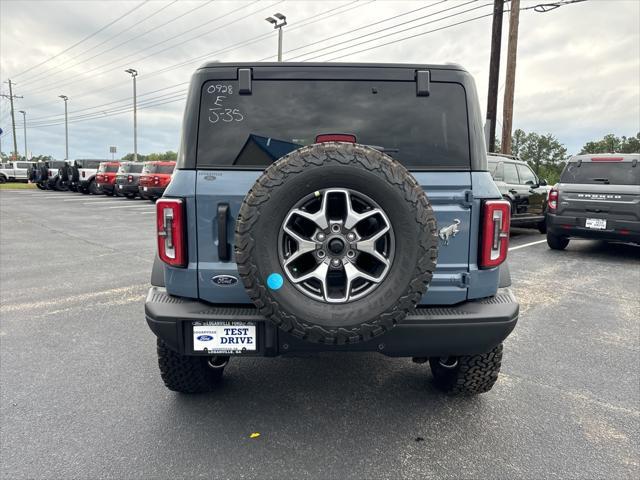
(128, 206)
(528, 244)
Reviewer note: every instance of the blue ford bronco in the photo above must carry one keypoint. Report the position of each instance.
(332, 207)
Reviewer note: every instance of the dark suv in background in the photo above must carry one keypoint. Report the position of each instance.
(127, 179)
(598, 197)
(526, 193)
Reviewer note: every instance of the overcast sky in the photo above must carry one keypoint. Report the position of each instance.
(578, 73)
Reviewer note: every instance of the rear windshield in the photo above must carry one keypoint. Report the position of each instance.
(614, 173)
(155, 168)
(130, 168)
(252, 131)
(108, 168)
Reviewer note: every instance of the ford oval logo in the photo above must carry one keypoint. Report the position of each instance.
(224, 280)
(205, 338)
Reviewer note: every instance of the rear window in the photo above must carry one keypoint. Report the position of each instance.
(57, 164)
(614, 173)
(155, 168)
(130, 168)
(88, 163)
(252, 131)
(22, 165)
(108, 168)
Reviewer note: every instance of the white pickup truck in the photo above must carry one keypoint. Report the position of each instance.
(13, 172)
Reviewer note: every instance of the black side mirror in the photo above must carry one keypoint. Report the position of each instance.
(542, 182)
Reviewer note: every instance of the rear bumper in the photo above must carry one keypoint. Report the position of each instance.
(570, 226)
(127, 188)
(151, 191)
(464, 329)
(106, 187)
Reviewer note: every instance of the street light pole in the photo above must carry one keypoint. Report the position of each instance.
(134, 74)
(24, 126)
(66, 128)
(278, 22)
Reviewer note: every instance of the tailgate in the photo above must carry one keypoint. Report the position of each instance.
(612, 202)
(219, 195)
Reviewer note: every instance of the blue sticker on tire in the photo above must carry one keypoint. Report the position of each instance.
(275, 281)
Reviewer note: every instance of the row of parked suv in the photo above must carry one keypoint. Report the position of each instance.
(131, 179)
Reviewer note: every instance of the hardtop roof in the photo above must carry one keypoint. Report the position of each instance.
(425, 66)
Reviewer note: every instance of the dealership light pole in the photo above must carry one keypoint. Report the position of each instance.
(278, 22)
(66, 128)
(134, 74)
(24, 126)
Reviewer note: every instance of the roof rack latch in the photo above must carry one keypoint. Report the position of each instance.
(244, 81)
(422, 83)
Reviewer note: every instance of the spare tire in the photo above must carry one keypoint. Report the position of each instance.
(336, 243)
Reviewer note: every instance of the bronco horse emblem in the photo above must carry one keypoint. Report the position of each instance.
(446, 233)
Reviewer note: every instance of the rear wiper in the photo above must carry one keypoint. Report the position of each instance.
(603, 180)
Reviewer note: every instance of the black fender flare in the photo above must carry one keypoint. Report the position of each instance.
(157, 272)
(505, 276)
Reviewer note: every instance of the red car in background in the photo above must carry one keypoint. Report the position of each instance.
(154, 179)
(106, 176)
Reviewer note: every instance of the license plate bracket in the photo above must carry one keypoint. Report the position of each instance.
(224, 337)
(596, 223)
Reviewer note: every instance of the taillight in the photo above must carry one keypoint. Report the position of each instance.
(552, 200)
(156, 180)
(50, 173)
(170, 227)
(494, 243)
(83, 174)
(336, 137)
(130, 178)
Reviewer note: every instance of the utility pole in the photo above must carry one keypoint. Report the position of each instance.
(510, 85)
(24, 126)
(66, 129)
(278, 22)
(11, 96)
(134, 74)
(494, 72)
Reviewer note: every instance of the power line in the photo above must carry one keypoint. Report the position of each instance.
(361, 28)
(65, 84)
(393, 33)
(300, 24)
(154, 29)
(411, 36)
(34, 78)
(84, 39)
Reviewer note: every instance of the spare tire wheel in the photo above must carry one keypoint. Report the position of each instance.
(336, 243)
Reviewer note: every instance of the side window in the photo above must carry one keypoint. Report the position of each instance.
(510, 174)
(22, 165)
(527, 177)
(498, 171)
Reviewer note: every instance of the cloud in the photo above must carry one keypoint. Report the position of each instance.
(578, 70)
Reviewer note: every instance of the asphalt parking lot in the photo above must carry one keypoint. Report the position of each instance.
(82, 397)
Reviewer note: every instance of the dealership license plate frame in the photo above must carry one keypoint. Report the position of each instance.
(216, 326)
(596, 223)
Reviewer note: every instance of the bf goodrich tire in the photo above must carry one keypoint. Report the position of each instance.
(468, 374)
(345, 177)
(557, 243)
(189, 374)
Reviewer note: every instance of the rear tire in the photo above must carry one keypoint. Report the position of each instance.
(557, 243)
(3, 179)
(542, 226)
(187, 374)
(467, 374)
(94, 189)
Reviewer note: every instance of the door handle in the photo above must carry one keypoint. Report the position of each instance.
(224, 249)
(513, 190)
